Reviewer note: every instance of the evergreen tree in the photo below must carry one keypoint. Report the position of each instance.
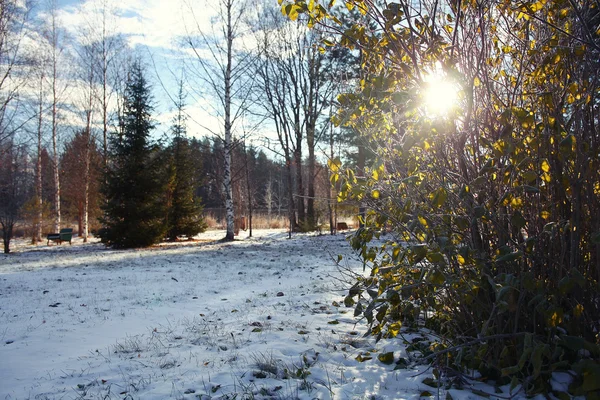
(134, 209)
(184, 213)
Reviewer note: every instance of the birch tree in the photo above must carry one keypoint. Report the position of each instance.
(107, 53)
(55, 38)
(220, 69)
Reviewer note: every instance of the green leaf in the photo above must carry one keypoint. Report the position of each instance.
(386, 358)
(510, 257)
(536, 359)
(439, 197)
(418, 253)
(530, 189)
(590, 371)
(567, 144)
(517, 220)
(431, 382)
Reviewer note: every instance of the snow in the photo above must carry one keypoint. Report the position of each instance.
(255, 318)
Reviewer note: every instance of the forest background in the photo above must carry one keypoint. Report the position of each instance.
(247, 89)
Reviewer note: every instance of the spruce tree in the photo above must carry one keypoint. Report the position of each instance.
(134, 209)
(184, 214)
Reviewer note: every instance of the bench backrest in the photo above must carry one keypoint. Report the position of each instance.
(66, 234)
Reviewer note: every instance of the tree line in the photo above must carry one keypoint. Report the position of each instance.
(65, 98)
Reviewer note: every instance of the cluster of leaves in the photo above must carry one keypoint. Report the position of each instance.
(490, 211)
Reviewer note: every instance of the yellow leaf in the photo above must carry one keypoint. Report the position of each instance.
(516, 202)
(334, 165)
(461, 260)
(545, 214)
(375, 194)
(545, 166)
(556, 59)
(546, 177)
(423, 222)
(476, 82)
(573, 88)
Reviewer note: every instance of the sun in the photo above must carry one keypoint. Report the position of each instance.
(440, 95)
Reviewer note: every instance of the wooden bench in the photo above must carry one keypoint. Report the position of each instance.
(65, 235)
(341, 226)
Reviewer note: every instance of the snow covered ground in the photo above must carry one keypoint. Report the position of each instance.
(259, 318)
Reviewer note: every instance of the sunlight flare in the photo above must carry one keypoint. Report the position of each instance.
(441, 94)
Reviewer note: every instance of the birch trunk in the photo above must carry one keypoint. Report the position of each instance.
(38, 175)
(55, 51)
(55, 152)
(228, 142)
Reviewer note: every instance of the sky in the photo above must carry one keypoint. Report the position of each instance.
(154, 29)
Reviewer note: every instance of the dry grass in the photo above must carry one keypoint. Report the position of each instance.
(258, 221)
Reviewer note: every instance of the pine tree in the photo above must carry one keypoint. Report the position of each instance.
(184, 214)
(134, 209)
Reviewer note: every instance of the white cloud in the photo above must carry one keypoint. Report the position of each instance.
(153, 23)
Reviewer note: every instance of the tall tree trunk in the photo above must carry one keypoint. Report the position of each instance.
(88, 155)
(311, 122)
(228, 146)
(38, 167)
(311, 217)
(291, 203)
(86, 197)
(299, 184)
(329, 197)
(55, 158)
(56, 168)
(248, 191)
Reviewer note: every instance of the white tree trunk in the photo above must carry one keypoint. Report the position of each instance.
(87, 191)
(55, 52)
(229, 206)
(38, 177)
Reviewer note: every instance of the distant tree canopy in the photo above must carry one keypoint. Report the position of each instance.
(492, 205)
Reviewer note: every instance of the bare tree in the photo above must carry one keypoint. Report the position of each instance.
(293, 95)
(13, 16)
(107, 48)
(55, 38)
(39, 202)
(221, 68)
(89, 95)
